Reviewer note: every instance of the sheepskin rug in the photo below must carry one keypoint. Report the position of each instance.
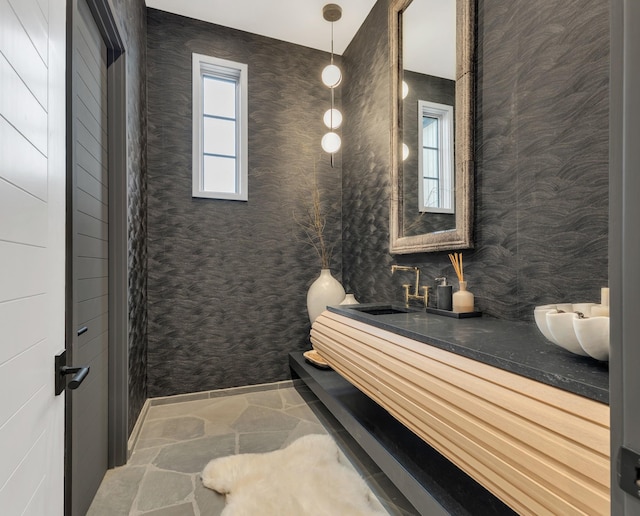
(305, 478)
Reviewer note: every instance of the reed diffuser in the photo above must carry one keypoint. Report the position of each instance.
(462, 299)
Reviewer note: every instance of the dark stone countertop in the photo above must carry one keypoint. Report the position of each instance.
(517, 347)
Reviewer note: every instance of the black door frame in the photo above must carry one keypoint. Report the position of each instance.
(624, 242)
(104, 14)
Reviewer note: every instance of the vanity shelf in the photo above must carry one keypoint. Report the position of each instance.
(432, 484)
(527, 423)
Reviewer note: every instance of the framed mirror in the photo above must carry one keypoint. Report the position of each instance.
(432, 45)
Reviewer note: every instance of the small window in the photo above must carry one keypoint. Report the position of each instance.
(219, 129)
(435, 157)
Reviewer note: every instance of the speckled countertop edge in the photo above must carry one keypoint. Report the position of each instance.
(517, 347)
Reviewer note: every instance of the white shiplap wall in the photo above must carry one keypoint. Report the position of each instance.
(32, 218)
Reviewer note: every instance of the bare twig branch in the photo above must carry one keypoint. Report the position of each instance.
(314, 224)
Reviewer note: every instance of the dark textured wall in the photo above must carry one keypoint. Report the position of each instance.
(133, 23)
(541, 155)
(365, 161)
(228, 280)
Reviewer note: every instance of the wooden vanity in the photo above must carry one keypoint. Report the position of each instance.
(526, 420)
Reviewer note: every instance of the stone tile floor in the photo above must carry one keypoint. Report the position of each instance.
(176, 441)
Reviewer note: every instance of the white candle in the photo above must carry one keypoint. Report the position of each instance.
(604, 296)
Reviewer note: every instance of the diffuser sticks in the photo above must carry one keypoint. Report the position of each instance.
(456, 261)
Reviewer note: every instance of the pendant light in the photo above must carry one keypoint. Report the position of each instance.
(332, 77)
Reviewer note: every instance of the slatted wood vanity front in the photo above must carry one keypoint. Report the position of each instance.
(540, 449)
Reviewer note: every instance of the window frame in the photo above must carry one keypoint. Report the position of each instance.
(444, 114)
(203, 65)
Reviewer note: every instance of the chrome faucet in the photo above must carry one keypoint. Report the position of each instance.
(408, 296)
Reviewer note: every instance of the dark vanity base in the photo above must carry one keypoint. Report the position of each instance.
(433, 484)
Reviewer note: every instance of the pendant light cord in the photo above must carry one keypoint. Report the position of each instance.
(331, 13)
(331, 42)
(332, 97)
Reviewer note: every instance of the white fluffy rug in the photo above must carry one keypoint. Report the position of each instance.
(305, 478)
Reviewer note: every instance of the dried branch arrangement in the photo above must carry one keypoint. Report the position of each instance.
(314, 223)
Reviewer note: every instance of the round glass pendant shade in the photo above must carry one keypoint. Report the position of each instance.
(331, 76)
(331, 142)
(405, 90)
(405, 151)
(332, 118)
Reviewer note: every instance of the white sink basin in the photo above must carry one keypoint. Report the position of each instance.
(571, 327)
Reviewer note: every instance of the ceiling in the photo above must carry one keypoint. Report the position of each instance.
(295, 21)
(429, 26)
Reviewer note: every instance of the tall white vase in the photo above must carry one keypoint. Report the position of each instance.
(324, 291)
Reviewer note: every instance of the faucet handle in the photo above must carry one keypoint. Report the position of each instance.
(425, 295)
(406, 294)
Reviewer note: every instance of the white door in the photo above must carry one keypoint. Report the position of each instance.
(32, 254)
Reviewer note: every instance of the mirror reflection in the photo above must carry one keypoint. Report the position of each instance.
(429, 66)
(432, 45)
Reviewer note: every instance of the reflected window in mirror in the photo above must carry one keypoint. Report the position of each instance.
(435, 162)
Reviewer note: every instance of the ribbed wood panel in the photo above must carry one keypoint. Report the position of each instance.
(538, 448)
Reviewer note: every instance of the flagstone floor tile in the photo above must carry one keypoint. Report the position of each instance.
(177, 440)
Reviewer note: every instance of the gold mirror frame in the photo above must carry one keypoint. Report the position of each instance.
(461, 236)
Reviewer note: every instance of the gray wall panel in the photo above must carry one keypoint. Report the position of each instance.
(228, 280)
(87, 408)
(366, 159)
(541, 153)
(131, 15)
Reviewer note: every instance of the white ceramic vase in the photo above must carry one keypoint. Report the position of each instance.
(349, 299)
(324, 291)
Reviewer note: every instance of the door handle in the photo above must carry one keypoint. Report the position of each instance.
(62, 370)
(82, 330)
(79, 374)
